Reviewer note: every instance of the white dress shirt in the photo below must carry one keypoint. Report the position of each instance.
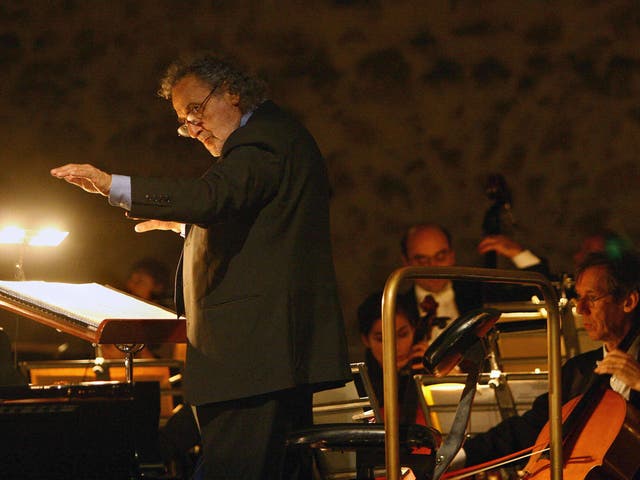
(446, 300)
(616, 384)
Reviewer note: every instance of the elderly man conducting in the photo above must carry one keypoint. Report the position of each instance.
(264, 322)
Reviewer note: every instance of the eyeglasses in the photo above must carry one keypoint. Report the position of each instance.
(590, 300)
(426, 260)
(194, 115)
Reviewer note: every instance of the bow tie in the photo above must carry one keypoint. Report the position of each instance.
(430, 318)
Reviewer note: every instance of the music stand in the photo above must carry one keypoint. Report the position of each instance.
(96, 313)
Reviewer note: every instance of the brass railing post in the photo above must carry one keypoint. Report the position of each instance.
(390, 379)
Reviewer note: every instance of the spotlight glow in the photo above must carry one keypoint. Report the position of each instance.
(12, 235)
(45, 237)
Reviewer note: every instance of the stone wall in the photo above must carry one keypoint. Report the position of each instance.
(413, 103)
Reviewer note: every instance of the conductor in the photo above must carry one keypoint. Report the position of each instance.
(264, 322)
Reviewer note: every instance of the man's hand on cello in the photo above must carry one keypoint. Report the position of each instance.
(623, 366)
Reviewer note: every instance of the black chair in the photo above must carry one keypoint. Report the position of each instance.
(345, 445)
(418, 444)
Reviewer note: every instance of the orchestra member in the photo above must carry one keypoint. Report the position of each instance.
(264, 322)
(608, 291)
(150, 279)
(407, 350)
(601, 240)
(429, 244)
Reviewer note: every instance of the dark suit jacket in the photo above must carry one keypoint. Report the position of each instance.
(259, 285)
(519, 432)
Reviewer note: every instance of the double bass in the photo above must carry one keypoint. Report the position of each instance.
(498, 192)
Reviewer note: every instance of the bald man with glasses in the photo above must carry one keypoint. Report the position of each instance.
(430, 244)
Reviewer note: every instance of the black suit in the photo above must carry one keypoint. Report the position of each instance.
(260, 292)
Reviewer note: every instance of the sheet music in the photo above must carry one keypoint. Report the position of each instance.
(90, 303)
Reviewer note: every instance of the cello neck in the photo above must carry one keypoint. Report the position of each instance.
(498, 192)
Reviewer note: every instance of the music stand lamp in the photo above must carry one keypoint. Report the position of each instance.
(44, 237)
(23, 238)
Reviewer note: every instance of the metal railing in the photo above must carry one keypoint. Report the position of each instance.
(390, 379)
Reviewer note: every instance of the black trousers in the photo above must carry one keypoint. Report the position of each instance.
(244, 439)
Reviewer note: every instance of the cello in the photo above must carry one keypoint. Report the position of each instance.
(600, 435)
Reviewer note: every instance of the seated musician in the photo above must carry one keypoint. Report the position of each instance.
(431, 245)
(408, 349)
(608, 289)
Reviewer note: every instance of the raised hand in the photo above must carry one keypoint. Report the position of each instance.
(500, 244)
(85, 176)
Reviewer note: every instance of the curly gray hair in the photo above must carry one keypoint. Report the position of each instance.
(216, 71)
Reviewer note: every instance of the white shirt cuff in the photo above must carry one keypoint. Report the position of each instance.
(525, 259)
(120, 193)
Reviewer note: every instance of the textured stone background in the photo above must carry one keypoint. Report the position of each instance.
(413, 103)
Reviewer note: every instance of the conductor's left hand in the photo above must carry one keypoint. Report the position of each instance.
(85, 176)
(150, 225)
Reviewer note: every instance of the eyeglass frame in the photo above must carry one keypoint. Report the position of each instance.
(590, 299)
(197, 109)
(427, 260)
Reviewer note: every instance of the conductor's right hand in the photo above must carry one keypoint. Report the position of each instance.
(85, 176)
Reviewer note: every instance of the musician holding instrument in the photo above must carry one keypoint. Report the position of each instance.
(608, 293)
(430, 244)
(408, 349)
(369, 315)
(264, 321)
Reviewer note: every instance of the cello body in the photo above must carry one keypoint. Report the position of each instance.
(607, 447)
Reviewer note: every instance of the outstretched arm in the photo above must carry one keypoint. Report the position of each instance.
(94, 180)
(85, 176)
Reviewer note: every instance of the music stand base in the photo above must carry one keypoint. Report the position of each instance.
(129, 350)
